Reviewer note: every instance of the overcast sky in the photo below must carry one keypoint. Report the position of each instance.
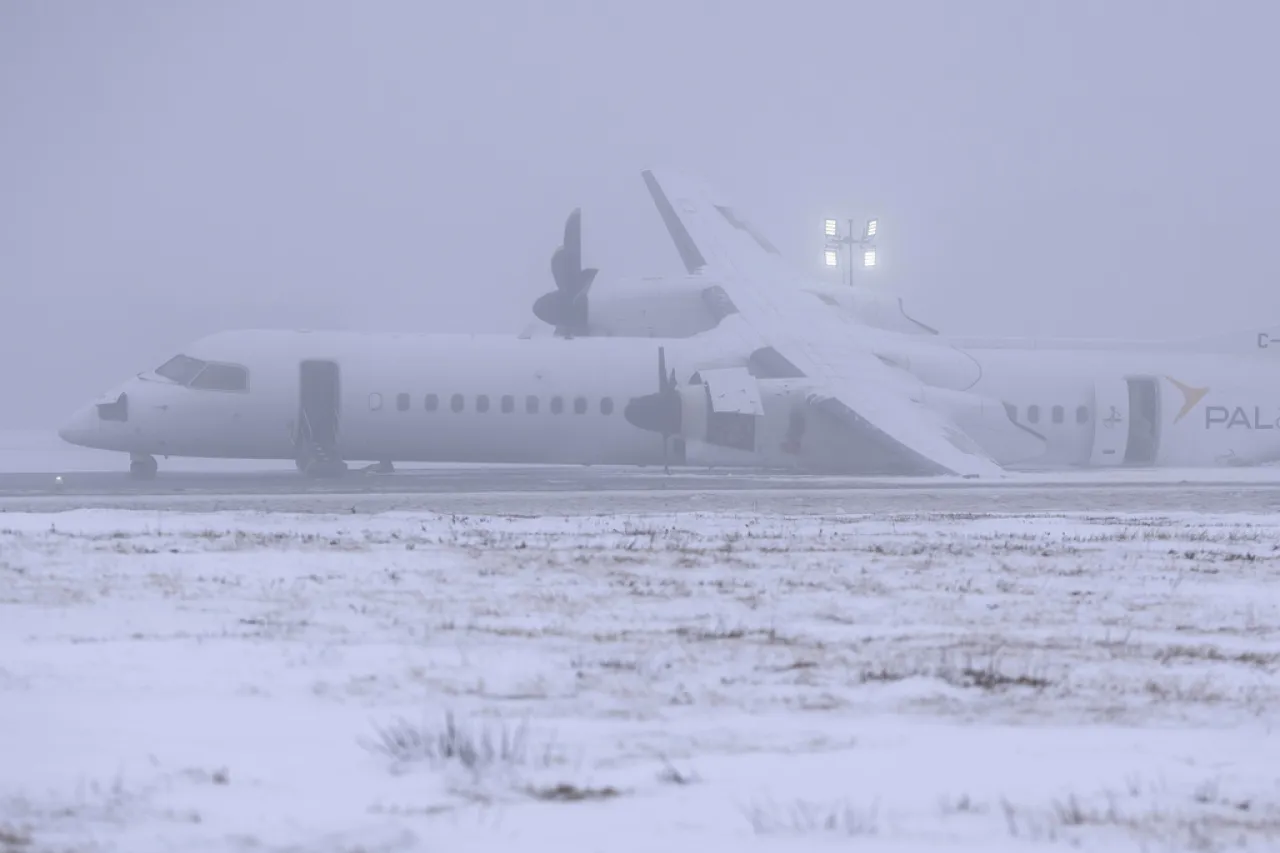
(170, 169)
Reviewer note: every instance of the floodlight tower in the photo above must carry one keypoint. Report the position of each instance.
(865, 243)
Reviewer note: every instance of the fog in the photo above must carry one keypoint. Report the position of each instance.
(168, 170)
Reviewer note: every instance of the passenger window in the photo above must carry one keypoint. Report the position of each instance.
(1057, 414)
(557, 405)
(606, 406)
(455, 402)
(402, 402)
(375, 401)
(1033, 414)
(531, 404)
(222, 377)
(181, 369)
(1082, 414)
(432, 402)
(1012, 411)
(580, 406)
(482, 403)
(508, 404)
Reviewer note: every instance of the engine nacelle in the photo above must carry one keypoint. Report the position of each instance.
(651, 308)
(677, 307)
(926, 360)
(731, 419)
(870, 307)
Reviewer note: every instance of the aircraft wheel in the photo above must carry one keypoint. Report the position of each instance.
(144, 468)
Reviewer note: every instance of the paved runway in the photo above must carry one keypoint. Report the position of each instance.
(540, 490)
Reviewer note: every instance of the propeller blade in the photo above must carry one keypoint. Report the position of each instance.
(560, 270)
(660, 411)
(567, 307)
(573, 242)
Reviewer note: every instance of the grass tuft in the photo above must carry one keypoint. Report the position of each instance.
(801, 818)
(406, 742)
(564, 792)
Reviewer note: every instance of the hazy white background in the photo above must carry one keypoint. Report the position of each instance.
(168, 169)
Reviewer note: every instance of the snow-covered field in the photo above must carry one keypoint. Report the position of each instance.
(252, 681)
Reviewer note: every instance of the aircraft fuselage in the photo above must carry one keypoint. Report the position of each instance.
(408, 398)
(498, 399)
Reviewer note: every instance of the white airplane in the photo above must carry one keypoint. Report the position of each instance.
(779, 381)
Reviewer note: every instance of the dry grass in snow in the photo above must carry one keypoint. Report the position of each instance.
(257, 681)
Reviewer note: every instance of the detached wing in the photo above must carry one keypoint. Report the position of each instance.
(878, 400)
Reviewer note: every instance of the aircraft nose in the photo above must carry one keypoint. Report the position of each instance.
(97, 422)
(80, 428)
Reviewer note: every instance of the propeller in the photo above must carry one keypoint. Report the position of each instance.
(566, 306)
(661, 412)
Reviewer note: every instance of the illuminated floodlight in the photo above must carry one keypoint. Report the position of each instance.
(869, 258)
(871, 229)
(832, 258)
(832, 228)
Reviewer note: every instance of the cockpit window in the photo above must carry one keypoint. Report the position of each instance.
(222, 377)
(181, 369)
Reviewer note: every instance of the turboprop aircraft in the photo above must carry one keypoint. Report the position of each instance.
(779, 381)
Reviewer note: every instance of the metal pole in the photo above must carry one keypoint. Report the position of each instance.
(850, 252)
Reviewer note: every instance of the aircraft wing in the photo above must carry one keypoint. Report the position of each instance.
(878, 400)
(719, 240)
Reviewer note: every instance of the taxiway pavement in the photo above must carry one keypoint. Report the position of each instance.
(541, 490)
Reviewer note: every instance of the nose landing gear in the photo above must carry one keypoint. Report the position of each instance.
(143, 466)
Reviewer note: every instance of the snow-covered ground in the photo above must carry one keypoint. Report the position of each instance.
(247, 681)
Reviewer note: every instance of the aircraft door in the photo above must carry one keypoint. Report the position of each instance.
(319, 407)
(1110, 422)
(1144, 421)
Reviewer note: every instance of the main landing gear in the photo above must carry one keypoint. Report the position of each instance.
(321, 462)
(316, 466)
(143, 466)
